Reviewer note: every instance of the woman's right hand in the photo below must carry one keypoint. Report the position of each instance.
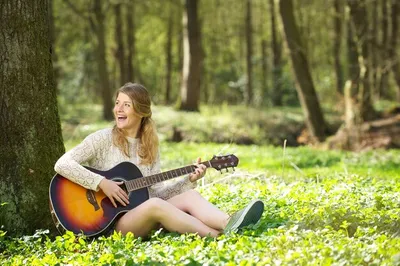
(114, 192)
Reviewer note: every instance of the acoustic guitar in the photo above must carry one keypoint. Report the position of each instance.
(84, 211)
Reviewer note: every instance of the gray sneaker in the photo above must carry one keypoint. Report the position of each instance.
(250, 214)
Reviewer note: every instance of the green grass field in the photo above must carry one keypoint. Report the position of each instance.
(322, 208)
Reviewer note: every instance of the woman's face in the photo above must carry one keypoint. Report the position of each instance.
(125, 116)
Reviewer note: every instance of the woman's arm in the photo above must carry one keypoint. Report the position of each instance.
(70, 164)
(171, 189)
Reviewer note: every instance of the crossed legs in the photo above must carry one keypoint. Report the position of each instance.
(188, 212)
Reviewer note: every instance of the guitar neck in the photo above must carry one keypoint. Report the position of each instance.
(148, 181)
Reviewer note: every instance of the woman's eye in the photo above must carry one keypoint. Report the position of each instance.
(127, 105)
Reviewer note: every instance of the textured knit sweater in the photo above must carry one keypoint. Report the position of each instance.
(98, 151)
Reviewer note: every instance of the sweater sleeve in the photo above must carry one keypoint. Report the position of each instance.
(70, 164)
(169, 190)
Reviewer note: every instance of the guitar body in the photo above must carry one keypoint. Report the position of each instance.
(84, 211)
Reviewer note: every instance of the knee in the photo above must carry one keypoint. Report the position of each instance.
(155, 206)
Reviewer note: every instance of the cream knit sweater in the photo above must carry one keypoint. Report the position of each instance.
(98, 151)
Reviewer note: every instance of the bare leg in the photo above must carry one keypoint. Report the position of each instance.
(192, 202)
(145, 217)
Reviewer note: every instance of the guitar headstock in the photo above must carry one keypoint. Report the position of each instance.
(224, 161)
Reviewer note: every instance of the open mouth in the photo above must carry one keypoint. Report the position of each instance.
(121, 118)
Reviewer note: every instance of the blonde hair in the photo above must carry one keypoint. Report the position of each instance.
(147, 133)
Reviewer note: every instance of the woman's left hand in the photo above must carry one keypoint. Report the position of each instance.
(199, 172)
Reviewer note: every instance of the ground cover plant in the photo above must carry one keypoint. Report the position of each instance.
(322, 208)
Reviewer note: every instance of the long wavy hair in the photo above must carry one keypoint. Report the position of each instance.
(147, 133)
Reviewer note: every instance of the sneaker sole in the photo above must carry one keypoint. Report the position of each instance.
(252, 214)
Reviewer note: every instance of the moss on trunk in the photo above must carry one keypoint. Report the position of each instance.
(30, 131)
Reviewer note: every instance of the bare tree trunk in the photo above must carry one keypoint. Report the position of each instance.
(337, 21)
(120, 44)
(192, 58)
(305, 87)
(358, 103)
(102, 61)
(276, 92)
(168, 52)
(130, 35)
(393, 46)
(249, 54)
(373, 44)
(383, 85)
(30, 131)
(264, 69)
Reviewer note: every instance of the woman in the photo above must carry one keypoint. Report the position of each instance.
(176, 207)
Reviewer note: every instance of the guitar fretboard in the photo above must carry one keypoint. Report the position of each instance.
(154, 179)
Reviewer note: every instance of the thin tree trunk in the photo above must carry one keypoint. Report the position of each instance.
(102, 61)
(130, 35)
(120, 44)
(192, 58)
(168, 52)
(393, 46)
(249, 54)
(30, 131)
(373, 41)
(383, 85)
(276, 92)
(264, 69)
(337, 21)
(305, 87)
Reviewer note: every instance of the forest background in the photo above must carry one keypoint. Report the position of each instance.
(265, 74)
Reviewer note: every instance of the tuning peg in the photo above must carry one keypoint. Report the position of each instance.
(227, 170)
(233, 169)
(221, 171)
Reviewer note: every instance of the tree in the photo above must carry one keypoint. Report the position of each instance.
(337, 21)
(120, 51)
(276, 93)
(357, 90)
(130, 36)
(168, 55)
(192, 58)
(30, 131)
(393, 46)
(305, 88)
(99, 29)
(249, 54)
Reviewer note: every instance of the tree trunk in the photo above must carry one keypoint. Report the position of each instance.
(192, 58)
(373, 46)
(264, 70)
(168, 52)
(120, 45)
(305, 87)
(53, 41)
(30, 131)
(385, 68)
(276, 92)
(130, 35)
(359, 107)
(337, 21)
(393, 46)
(102, 61)
(249, 54)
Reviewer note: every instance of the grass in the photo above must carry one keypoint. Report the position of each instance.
(322, 208)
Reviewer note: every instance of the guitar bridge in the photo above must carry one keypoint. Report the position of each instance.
(92, 199)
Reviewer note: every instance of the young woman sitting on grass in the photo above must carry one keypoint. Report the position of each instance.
(177, 207)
